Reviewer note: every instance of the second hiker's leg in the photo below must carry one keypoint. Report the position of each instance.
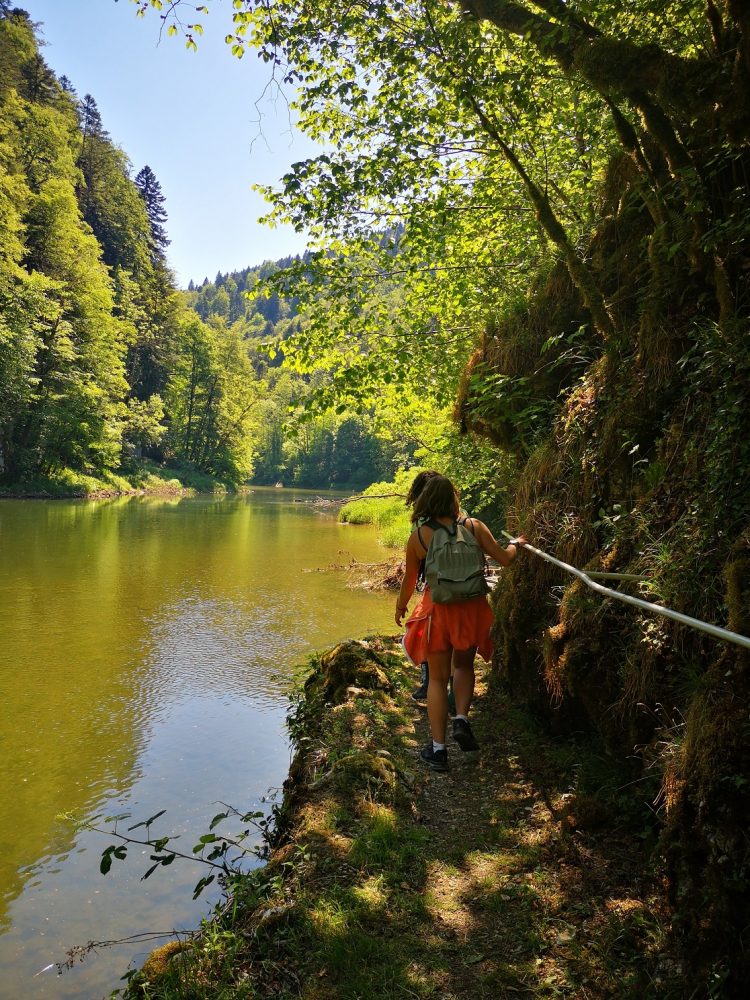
(463, 679)
(421, 692)
(437, 694)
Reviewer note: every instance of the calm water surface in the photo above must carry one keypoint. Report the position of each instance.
(146, 653)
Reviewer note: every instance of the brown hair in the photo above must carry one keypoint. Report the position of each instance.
(439, 498)
(417, 488)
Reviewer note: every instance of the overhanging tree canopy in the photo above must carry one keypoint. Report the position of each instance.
(512, 99)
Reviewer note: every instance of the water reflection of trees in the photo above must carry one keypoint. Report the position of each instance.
(112, 610)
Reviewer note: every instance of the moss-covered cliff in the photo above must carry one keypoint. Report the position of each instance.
(637, 459)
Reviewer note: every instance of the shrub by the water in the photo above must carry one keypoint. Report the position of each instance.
(382, 504)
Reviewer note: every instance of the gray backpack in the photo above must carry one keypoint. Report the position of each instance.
(454, 565)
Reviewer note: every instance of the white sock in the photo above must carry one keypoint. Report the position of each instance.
(460, 717)
(437, 746)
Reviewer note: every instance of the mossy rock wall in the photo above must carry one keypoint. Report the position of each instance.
(637, 460)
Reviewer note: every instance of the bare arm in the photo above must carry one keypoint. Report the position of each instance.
(491, 547)
(414, 555)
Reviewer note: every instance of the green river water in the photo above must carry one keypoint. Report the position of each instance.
(146, 654)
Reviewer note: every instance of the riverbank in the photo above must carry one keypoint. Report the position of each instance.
(524, 873)
(144, 478)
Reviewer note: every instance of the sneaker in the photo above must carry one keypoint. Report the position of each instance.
(436, 759)
(463, 735)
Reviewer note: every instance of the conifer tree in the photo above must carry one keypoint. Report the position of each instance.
(150, 190)
(90, 119)
(109, 200)
(39, 80)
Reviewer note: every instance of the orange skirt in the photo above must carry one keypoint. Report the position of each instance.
(435, 628)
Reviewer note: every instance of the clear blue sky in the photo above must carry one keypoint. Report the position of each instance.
(190, 116)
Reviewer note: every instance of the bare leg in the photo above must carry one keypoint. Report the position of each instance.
(463, 679)
(437, 693)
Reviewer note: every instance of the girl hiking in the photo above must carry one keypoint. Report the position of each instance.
(452, 620)
(415, 491)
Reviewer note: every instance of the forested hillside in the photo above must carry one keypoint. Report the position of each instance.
(572, 182)
(103, 362)
(238, 296)
(95, 345)
(296, 442)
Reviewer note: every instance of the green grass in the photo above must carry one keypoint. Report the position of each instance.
(148, 475)
(143, 475)
(68, 483)
(382, 504)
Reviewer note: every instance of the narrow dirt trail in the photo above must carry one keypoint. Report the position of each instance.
(534, 891)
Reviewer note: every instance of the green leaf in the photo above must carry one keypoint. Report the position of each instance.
(147, 822)
(217, 819)
(150, 871)
(201, 885)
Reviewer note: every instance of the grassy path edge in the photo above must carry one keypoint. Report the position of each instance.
(520, 874)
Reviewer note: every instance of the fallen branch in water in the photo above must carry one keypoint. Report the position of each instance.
(385, 575)
(79, 952)
(342, 501)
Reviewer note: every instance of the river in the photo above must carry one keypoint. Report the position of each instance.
(147, 649)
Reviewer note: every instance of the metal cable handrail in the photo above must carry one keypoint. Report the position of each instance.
(657, 609)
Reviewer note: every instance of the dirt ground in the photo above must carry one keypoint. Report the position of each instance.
(532, 886)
